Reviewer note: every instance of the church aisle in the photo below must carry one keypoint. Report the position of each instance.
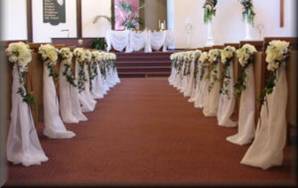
(145, 132)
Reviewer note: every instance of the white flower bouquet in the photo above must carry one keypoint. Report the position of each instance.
(88, 56)
(19, 53)
(245, 54)
(276, 53)
(49, 53)
(213, 55)
(227, 54)
(204, 57)
(79, 54)
(66, 55)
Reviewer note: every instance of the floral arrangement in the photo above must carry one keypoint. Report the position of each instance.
(96, 57)
(245, 57)
(50, 55)
(277, 53)
(196, 54)
(248, 10)
(213, 55)
(213, 58)
(66, 57)
(80, 55)
(227, 54)
(245, 54)
(204, 61)
(209, 10)
(88, 56)
(204, 57)
(20, 55)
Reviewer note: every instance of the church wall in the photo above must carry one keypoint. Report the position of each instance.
(13, 18)
(91, 9)
(228, 25)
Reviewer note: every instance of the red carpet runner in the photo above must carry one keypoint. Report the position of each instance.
(145, 132)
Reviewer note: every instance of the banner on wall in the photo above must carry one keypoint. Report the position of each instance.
(54, 11)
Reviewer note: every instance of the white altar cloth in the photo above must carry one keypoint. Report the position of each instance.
(130, 41)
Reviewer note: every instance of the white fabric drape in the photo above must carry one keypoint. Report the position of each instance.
(246, 120)
(226, 104)
(54, 127)
(119, 40)
(66, 108)
(23, 146)
(194, 88)
(135, 41)
(158, 40)
(267, 149)
(97, 84)
(191, 80)
(75, 103)
(86, 101)
(212, 98)
(138, 40)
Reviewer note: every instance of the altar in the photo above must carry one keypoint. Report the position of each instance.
(130, 41)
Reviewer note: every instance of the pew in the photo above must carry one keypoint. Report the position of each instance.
(292, 82)
(259, 68)
(236, 67)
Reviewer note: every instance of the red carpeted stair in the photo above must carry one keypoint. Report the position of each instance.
(140, 64)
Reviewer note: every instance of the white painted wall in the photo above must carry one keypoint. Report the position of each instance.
(14, 20)
(43, 32)
(90, 9)
(228, 25)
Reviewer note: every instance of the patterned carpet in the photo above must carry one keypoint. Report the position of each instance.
(146, 133)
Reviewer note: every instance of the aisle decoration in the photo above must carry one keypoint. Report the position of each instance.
(82, 57)
(270, 139)
(245, 88)
(203, 81)
(54, 127)
(227, 100)
(95, 75)
(191, 80)
(195, 72)
(71, 111)
(23, 146)
(212, 99)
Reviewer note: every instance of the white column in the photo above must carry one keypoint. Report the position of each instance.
(247, 30)
(210, 39)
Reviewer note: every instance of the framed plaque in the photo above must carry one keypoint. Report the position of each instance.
(54, 11)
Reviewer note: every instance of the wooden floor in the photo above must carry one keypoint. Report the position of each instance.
(146, 133)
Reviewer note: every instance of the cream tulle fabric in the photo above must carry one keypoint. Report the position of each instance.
(212, 98)
(66, 108)
(246, 120)
(86, 99)
(76, 106)
(226, 104)
(97, 90)
(267, 149)
(195, 84)
(23, 146)
(190, 81)
(54, 127)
